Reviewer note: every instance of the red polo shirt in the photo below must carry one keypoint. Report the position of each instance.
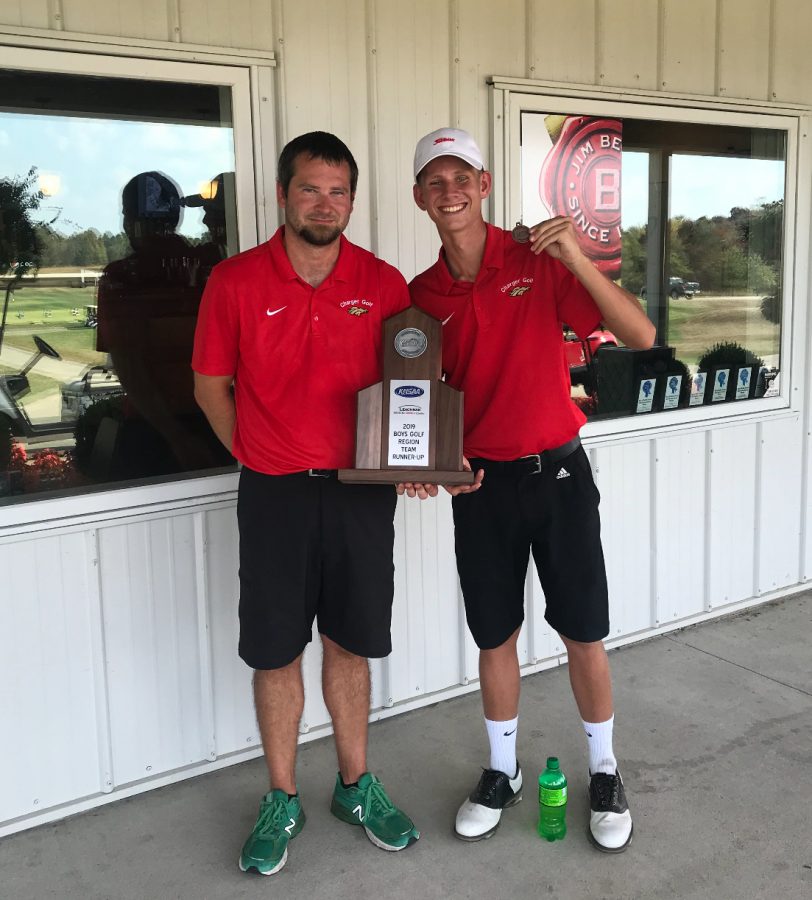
(298, 354)
(503, 345)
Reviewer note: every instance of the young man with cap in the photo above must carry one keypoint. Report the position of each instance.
(295, 326)
(502, 304)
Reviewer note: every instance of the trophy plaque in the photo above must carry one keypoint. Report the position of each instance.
(721, 379)
(699, 384)
(645, 395)
(409, 426)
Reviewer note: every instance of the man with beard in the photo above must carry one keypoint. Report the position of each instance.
(294, 325)
(502, 303)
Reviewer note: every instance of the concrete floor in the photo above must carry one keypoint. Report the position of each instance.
(714, 734)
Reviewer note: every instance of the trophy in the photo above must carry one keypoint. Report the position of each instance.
(409, 426)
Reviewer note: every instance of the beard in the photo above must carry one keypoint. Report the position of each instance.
(319, 235)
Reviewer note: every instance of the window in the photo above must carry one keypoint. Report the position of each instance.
(686, 209)
(117, 197)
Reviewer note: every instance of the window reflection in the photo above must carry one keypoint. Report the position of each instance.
(100, 304)
(702, 225)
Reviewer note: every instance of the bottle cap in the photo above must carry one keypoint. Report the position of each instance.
(552, 762)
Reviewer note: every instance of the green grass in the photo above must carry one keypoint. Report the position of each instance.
(695, 325)
(47, 312)
(48, 306)
(74, 342)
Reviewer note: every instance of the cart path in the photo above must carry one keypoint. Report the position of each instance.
(58, 369)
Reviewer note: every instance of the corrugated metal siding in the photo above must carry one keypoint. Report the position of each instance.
(127, 636)
(49, 668)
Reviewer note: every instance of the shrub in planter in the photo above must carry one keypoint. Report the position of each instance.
(771, 309)
(729, 354)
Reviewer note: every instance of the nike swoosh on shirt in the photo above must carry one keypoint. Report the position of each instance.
(445, 321)
(273, 312)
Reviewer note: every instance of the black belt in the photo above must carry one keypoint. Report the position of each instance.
(527, 465)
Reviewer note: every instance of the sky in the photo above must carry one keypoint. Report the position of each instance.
(700, 185)
(94, 158)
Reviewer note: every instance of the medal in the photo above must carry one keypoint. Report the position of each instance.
(521, 233)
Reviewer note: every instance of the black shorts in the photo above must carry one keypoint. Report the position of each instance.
(313, 548)
(553, 513)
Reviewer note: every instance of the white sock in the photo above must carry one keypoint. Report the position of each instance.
(502, 737)
(601, 755)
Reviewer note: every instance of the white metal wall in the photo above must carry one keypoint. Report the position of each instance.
(118, 666)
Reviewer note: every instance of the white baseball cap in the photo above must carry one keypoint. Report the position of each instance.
(446, 142)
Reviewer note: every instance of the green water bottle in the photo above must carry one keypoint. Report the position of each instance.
(552, 802)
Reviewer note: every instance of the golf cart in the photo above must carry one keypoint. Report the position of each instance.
(77, 396)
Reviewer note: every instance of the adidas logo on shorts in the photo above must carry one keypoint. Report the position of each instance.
(562, 473)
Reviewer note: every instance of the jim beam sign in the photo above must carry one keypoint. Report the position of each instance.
(409, 426)
(571, 166)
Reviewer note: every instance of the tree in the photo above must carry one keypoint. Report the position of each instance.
(20, 244)
(117, 246)
(633, 258)
(678, 261)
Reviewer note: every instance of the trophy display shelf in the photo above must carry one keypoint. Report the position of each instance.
(409, 425)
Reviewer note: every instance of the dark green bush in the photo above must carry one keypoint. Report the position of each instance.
(729, 354)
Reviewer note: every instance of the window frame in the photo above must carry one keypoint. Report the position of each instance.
(509, 98)
(253, 118)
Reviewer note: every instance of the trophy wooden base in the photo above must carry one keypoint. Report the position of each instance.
(398, 476)
(409, 426)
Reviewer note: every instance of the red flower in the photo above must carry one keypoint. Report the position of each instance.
(18, 456)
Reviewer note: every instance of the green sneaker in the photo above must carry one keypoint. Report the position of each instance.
(368, 804)
(280, 819)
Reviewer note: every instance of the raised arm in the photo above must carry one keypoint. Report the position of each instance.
(620, 310)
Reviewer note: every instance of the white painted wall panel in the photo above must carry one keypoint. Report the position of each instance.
(422, 560)
(92, 18)
(235, 725)
(744, 48)
(679, 525)
(689, 46)
(490, 41)
(29, 13)
(323, 72)
(441, 609)
(151, 628)
(49, 731)
(408, 615)
(541, 641)
(237, 23)
(561, 40)
(792, 60)
(628, 40)
(427, 632)
(446, 615)
(412, 98)
(779, 504)
(122, 18)
(623, 474)
(315, 710)
(731, 515)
